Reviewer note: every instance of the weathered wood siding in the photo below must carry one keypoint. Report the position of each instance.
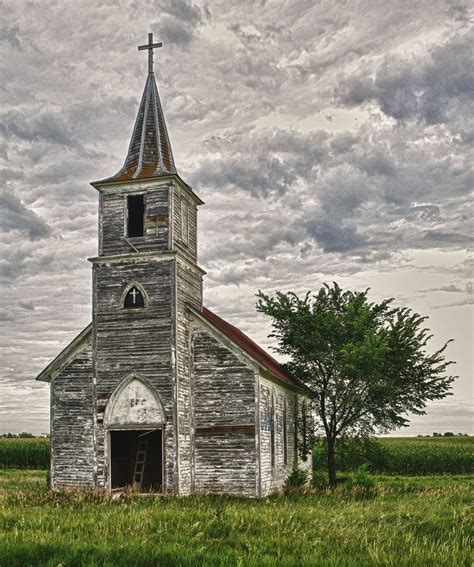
(72, 423)
(188, 292)
(112, 221)
(135, 341)
(224, 400)
(273, 476)
(184, 238)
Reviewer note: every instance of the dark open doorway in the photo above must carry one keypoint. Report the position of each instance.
(136, 457)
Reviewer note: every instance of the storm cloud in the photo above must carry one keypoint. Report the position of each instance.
(329, 140)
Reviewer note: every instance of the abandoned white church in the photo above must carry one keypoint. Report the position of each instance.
(158, 391)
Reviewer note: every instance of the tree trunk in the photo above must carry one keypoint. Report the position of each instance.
(331, 462)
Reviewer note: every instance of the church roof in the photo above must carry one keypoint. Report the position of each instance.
(250, 347)
(233, 333)
(149, 153)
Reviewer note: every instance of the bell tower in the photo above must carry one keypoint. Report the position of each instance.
(144, 277)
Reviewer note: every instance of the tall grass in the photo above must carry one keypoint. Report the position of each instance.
(29, 453)
(404, 455)
(410, 522)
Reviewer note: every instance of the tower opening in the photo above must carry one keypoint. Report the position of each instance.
(136, 458)
(136, 210)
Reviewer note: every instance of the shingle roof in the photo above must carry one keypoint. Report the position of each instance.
(149, 153)
(249, 346)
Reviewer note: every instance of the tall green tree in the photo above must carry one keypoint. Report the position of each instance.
(365, 364)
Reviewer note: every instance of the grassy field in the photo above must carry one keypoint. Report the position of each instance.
(410, 521)
(406, 455)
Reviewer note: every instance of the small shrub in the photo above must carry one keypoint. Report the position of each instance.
(296, 479)
(362, 484)
(320, 479)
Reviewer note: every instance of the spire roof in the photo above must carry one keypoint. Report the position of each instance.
(149, 153)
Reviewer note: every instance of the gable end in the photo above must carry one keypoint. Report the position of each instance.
(67, 355)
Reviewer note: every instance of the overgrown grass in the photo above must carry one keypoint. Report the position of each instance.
(30, 453)
(410, 521)
(405, 455)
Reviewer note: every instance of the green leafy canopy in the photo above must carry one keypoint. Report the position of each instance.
(365, 364)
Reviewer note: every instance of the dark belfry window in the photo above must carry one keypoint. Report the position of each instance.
(136, 209)
(134, 298)
(272, 430)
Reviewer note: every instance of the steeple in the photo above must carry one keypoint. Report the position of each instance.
(149, 153)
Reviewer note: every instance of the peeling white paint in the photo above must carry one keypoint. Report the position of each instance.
(134, 404)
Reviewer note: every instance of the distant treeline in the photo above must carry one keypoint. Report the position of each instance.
(23, 435)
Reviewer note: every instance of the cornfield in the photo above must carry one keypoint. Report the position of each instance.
(24, 453)
(404, 455)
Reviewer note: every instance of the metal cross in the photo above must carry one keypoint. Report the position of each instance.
(150, 46)
(134, 294)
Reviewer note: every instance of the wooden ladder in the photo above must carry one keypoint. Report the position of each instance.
(142, 450)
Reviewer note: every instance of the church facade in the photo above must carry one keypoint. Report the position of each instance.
(158, 391)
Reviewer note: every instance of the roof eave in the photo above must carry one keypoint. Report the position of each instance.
(104, 183)
(290, 384)
(64, 357)
(294, 385)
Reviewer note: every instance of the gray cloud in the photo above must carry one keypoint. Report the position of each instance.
(6, 316)
(293, 199)
(450, 288)
(432, 89)
(360, 194)
(10, 35)
(15, 216)
(47, 126)
(179, 21)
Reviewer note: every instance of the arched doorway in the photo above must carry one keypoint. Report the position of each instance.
(135, 423)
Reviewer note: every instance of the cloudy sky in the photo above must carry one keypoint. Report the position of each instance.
(330, 140)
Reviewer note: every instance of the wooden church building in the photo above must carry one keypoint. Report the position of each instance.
(158, 391)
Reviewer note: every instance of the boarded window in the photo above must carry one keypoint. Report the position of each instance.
(272, 430)
(135, 211)
(134, 298)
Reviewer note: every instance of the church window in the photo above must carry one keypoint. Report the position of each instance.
(135, 210)
(304, 432)
(285, 432)
(134, 298)
(272, 430)
(184, 222)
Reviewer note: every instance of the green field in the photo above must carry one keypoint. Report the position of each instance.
(414, 521)
(405, 455)
(24, 452)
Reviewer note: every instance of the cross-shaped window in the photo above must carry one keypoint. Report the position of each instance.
(134, 298)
